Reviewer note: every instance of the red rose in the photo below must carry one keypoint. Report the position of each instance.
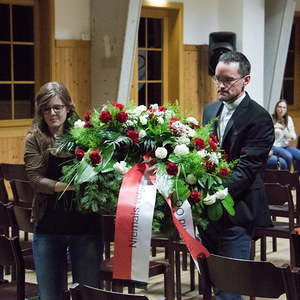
(209, 166)
(162, 108)
(105, 116)
(87, 115)
(213, 145)
(122, 117)
(214, 137)
(194, 197)
(172, 168)
(134, 135)
(151, 115)
(95, 157)
(224, 172)
(79, 153)
(199, 143)
(119, 106)
(87, 124)
(172, 120)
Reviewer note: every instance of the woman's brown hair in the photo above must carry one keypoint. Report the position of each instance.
(43, 97)
(284, 120)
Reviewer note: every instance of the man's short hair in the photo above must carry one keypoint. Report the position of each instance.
(233, 56)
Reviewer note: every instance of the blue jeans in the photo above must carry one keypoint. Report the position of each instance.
(288, 154)
(274, 160)
(50, 254)
(232, 242)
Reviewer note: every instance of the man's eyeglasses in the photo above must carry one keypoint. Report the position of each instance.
(227, 82)
(56, 108)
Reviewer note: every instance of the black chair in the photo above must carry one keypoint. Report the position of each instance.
(278, 195)
(83, 292)
(155, 267)
(10, 255)
(245, 277)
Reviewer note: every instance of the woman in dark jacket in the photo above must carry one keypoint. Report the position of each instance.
(59, 228)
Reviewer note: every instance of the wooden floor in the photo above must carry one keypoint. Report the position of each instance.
(155, 287)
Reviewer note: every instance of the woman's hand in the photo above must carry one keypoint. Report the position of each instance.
(62, 186)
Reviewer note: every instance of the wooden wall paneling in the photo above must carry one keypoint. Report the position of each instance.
(73, 69)
(198, 86)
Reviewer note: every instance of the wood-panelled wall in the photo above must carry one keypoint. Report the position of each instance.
(198, 87)
(73, 69)
(71, 66)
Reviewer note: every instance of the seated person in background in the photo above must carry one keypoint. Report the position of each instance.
(276, 162)
(284, 134)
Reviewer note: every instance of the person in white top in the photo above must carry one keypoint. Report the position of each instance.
(284, 134)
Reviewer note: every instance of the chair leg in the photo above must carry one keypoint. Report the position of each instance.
(192, 274)
(263, 248)
(178, 274)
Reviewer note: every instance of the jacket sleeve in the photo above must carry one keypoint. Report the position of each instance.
(256, 143)
(36, 165)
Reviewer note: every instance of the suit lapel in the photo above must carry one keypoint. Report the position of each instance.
(238, 113)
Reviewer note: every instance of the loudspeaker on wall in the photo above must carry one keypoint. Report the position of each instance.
(219, 43)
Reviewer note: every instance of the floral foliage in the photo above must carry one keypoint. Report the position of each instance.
(185, 157)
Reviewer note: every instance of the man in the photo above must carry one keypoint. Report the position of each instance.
(245, 131)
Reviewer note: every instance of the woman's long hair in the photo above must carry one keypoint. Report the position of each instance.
(43, 97)
(284, 120)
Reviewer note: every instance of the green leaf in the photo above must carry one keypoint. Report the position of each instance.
(85, 172)
(107, 153)
(228, 205)
(215, 211)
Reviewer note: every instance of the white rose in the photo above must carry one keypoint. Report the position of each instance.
(143, 119)
(181, 149)
(120, 167)
(169, 114)
(140, 108)
(161, 152)
(192, 120)
(183, 140)
(129, 123)
(221, 194)
(160, 120)
(191, 179)
(142, 133)
(213, 157)
(191, 132)
(202, 153)
(209, 199)
(154, 106)
(79, 124)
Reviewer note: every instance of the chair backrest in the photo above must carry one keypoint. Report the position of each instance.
(13, 171)
(21, 187)
(19, 218)
(284, 177)
(10, 254)
(83, 292)
(3, 191)
(278, 194)
(245, 277)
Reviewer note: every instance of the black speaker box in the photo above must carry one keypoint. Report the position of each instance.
(219, 43)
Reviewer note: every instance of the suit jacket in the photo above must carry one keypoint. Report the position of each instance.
(248, 136)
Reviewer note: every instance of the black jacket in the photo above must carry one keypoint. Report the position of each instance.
(248, 136)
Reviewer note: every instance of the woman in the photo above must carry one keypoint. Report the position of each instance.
(59, 228)
(284, 134)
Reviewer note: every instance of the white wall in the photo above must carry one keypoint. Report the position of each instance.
(72, 19)
(201, 17)
(253, 38)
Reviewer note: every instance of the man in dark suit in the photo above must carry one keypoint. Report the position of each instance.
(245, 132)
